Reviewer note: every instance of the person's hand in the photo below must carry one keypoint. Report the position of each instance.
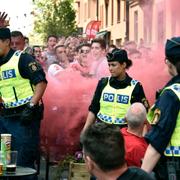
(3, 21)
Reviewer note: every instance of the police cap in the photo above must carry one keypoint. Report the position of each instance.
(119, 55)
(172, 50)
(5, 33)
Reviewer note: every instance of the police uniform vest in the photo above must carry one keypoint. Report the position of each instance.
(15, 90)
(173, 149)
(114, 103)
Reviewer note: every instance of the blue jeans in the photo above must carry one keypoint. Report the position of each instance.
(25, 139)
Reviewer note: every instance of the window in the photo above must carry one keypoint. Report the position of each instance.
(118, 11)
(85, 11)
(106, 9)
(136, 26)
(161, 27)
(89, 8)
(102, 15)
(112, 12)
(119, 43)
(125, 10)
(78, 5)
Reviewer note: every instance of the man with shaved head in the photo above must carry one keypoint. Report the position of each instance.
(135, 143)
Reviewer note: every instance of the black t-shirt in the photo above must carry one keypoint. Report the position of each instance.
(134, 173)
(29, 68)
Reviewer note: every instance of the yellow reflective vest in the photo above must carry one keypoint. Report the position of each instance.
(114, 103)
(173, 149)
(14, 89)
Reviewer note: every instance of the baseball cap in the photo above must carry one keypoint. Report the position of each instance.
(172, 50)
(5, 33)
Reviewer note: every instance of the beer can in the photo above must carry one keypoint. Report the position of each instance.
(5, 147)
(1, 168)
(5, 142)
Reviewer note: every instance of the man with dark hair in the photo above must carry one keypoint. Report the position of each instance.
(50, 55)
(84, 50)
(22, 86)
(17, 40)
(101, 41)
(20, 42)
(99, 66)
(104, 154)
(36, 52)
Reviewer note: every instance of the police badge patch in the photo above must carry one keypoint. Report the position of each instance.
(156, 117)
(33, 66)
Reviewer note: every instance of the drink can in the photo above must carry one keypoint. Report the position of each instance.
(1, 168)
(5, 147)
(5, 142)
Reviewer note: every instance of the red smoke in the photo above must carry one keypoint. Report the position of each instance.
(69, 94)
(67, 98)
(151, 72)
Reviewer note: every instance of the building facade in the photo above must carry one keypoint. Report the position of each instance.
(150, 20)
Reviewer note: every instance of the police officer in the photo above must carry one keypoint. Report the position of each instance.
(164, 137)
(22, 84)
(115, 94)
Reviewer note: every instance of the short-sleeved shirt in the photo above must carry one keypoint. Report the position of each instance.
(134, 173)
(168, 105)
(138, 94)
(29, 68)
(135, 147)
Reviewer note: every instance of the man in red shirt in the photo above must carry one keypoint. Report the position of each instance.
(135, 144)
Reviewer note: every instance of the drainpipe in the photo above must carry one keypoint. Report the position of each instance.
(127, 20)
(97, 10)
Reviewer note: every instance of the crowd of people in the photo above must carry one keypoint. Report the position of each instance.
(121, 130)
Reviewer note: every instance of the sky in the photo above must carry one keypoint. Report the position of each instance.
(19, 13)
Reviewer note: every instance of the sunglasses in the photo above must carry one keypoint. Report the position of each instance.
(84, 51)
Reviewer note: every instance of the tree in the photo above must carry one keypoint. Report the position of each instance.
(55, 17)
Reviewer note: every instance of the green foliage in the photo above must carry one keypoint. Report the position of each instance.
(55, 17)
(63, 165)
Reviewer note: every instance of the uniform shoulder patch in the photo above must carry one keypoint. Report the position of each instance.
(156, 117)
(176, 87)
(34, 66)
(134, 82)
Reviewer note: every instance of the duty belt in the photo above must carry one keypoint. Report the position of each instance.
(17, 103)
(11, 112)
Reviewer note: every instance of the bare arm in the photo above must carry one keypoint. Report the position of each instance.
(150, 159)
(39, 91)
(146, 128)
(90, 120)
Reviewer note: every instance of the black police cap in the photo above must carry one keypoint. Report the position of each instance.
(172, 50)
(119, 55)
(5, 33)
